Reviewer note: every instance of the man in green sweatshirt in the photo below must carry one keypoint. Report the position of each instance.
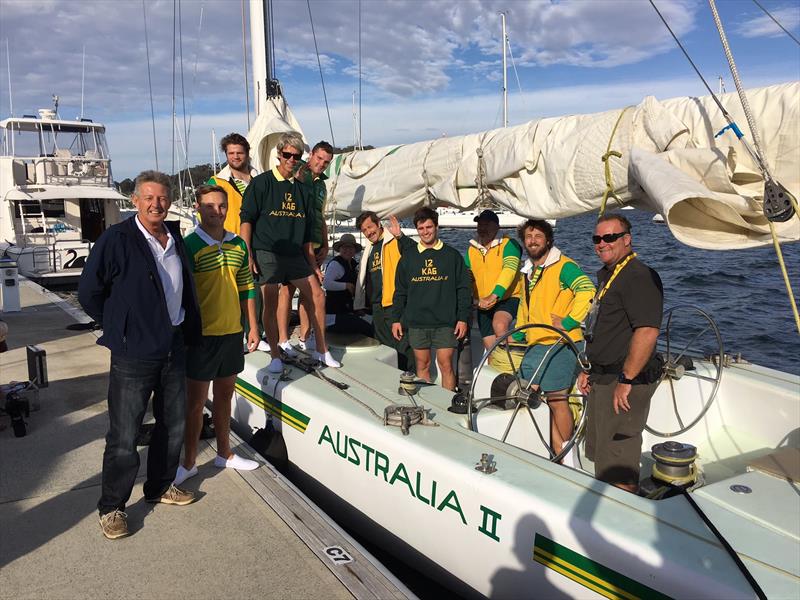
(432, 298)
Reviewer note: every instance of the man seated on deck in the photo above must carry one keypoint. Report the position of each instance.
(225, 290)
(621, 333)
(494, 266)
(555, 292)
(276, 226)
(312, 174)
(138, 283)
(376, 280)
(340, 286)
(432, 298)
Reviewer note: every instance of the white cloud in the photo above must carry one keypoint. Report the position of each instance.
(764, 26)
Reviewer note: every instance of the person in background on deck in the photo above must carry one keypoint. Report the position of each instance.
(138, 283)
(494, 267)
(234, 179)
(555, 292)
(226, 291)
(375, 287)
(312, 174)
(340, 286)
(276, 228)
(621, 333)
(432, 298)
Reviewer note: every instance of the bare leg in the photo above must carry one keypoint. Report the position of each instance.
(269, 318)
(423, 360)
(310, 288)
(444, 361)
(196, 396)
(284, 310)
(501, 321)
(221, 414)
(488, 341)
(305, 320)
(561, 421)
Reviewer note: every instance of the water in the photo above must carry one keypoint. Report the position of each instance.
(742, 290)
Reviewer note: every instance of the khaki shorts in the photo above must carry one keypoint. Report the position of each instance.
(275, 268)
(425, 338)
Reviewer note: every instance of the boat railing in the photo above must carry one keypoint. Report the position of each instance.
(63, 169)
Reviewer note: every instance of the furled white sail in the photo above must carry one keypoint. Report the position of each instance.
(708, 189)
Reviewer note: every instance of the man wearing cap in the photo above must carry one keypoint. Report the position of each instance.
(375, 287)
(493, 264)
(432, 299)
(340, 285)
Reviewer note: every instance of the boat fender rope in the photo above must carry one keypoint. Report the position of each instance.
(607, 167)
(733, 554)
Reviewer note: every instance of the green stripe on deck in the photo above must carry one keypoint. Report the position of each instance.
(589, 573)
(275, 407)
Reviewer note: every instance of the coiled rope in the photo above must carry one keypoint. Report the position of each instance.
(607, 167)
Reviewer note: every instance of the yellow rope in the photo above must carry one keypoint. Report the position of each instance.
(607, 165)
(785, 273)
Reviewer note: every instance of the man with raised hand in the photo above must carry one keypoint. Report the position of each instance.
(432, 298)
(494, 266)
(276, 228)
(376, 280)
(138, 283)
(555, 292)
(312, 174)
(621, 333)
(226, 292)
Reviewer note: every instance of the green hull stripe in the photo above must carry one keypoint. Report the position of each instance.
(589, 573)
(275, 407)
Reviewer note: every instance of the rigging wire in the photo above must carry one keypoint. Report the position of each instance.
(516, 75)
(786, 31)
(150, 84)
(183, 90)
(194, 71)
(319, 63)
(360, 137)
(244, 54)
(174, 51)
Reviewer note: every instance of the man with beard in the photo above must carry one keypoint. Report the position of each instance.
(621, 332)
(234, 176)
(555, 292)
(432, 298)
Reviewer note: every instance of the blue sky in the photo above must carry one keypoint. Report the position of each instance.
(428, 68)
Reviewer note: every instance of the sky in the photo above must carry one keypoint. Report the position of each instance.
(428, 68)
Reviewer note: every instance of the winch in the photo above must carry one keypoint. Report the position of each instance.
(675, 463)
(404, 416)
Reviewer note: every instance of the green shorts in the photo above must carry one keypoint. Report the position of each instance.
(485, 317)
(275, 268)
(553, 367)
(425, 338)
(216, 356)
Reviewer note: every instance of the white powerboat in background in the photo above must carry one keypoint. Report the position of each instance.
(56, 192)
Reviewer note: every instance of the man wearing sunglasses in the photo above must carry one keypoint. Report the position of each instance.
(621, 332)
(277, 229)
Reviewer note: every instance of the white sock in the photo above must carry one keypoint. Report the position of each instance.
(275, 366)
(328, 360)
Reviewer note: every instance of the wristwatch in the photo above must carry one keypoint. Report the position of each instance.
(625, 380)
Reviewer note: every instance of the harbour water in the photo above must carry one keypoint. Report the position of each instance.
(742, 290)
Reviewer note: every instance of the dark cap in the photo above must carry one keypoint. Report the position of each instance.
(489, 215)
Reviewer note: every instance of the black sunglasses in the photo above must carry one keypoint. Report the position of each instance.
(609, 237)
(288, 155)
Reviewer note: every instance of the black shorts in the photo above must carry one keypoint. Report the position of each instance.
(215, 357)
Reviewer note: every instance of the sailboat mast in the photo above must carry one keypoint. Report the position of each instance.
(505, 72)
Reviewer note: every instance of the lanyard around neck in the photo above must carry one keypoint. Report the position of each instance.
(616, 272)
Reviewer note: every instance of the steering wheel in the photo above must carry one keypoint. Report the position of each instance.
(524, 394)
(683, 339)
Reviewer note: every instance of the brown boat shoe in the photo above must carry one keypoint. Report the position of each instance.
(174, 495)
(114, 524)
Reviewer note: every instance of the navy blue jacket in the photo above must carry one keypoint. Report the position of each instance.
(120, 288)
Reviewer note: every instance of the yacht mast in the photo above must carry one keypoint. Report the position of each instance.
(505, 72)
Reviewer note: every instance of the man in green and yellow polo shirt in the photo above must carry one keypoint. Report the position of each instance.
(432, 298)
(225, 290)
(494, 265)
(234, 176)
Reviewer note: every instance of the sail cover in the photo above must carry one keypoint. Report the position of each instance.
(708, 189)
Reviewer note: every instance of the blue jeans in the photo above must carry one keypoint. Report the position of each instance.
(131, 383)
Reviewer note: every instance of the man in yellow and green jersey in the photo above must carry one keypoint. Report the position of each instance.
(234, 176)
(493, 264)
(225, 289)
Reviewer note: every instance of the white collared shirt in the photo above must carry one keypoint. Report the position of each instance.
(170, 272)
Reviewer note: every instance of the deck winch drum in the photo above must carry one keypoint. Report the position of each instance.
(674, 463)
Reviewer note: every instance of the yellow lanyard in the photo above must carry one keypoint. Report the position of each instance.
(616, 272)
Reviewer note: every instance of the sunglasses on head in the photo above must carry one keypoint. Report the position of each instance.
(288, 155)
(609, 237)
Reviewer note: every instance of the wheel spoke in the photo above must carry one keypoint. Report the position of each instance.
(675, 403)
(482, 402)
(517, 374)
(698, 376)
(539, 431)
(688, 345)
(511, 422)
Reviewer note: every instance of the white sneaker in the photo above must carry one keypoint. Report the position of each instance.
(327, 359)
(288, 350)
(235, 462)
(309, 344)
(183, 474)
(275, 366)
(263, 346)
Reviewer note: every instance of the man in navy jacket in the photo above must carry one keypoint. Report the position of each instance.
(137, 283)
